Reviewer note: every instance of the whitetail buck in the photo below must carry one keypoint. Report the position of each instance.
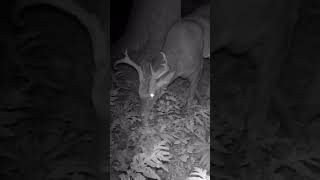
(186, 44)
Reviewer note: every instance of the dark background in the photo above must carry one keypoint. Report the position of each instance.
(46, 110)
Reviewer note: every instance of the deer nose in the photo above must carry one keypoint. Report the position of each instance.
(145, 113)
(146, 106)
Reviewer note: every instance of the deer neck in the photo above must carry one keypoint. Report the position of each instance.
(166, 79)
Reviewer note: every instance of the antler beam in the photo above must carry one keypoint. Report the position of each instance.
(127, 60)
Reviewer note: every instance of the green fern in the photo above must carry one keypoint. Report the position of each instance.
(199, 174)
(144, 163)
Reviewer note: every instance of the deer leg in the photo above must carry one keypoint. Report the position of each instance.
(201, 98)
(192, 91)
(194, 79)
(197, 95)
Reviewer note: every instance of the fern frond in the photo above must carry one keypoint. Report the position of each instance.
(199, 174)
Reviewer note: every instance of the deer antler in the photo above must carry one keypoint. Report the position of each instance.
(128, 61)
(158, 74)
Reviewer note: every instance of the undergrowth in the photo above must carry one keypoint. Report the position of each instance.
(174, 145)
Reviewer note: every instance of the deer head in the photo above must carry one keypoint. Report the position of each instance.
(151, 82)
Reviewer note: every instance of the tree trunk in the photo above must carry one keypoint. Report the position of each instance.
(148, 24)
(69, 48)
(98, 7)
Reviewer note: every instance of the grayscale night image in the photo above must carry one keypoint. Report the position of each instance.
(160, 89)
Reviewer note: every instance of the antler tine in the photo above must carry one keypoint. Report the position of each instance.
(164, 57)
(165, 65)
(152, 72)
(128, 61)
(123, 60)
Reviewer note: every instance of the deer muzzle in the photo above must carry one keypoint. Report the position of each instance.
(146, 107)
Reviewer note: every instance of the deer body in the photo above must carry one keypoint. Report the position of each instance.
(186, 44)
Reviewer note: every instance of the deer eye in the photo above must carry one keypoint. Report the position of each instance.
(151, 95)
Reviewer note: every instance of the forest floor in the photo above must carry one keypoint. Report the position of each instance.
(173, 144)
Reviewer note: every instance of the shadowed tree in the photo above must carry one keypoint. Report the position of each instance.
(69, 46)
(148, 24)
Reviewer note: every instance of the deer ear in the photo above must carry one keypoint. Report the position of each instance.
(165, 80)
